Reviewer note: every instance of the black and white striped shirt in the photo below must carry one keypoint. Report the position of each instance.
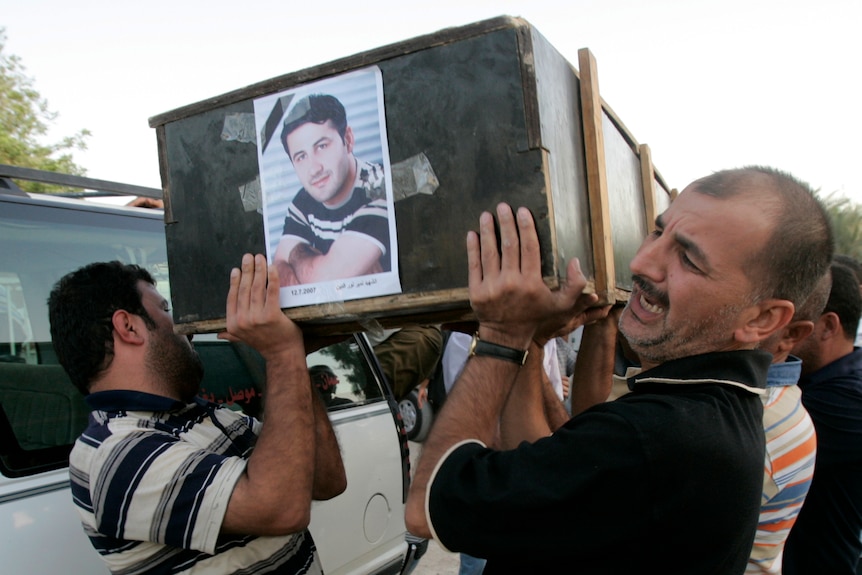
(152, 478)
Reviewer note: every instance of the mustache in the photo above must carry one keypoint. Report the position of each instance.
(650, 291)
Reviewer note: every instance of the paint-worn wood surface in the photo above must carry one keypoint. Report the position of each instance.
(495, 109)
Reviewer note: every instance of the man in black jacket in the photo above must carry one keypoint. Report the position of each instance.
(668, 478)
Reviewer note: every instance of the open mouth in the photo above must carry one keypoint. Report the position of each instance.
(649, 298)
(650, 307)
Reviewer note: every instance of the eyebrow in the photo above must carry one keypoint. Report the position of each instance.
(693, 249)
(687, 244)
(313, 145)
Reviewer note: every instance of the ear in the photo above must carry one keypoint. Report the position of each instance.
(793, 333)
(349, 139)
(764, 319)
(831, 326)
(129, 327)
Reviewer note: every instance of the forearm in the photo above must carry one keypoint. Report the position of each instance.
(306, 263)
(594, 368)
(555, 412)
(348, 256)
(329, 477)
(471, 411)
(524, 417)
(286, 275)
(274, 494)
(511, 300)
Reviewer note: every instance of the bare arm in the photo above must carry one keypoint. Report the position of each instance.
(524, 417)
(329, 477)
(286, 275)
(594, 368)
(555, 412)
(471, 411)
(510, 299)
(350, 255)
(533, 409)
(273, 496)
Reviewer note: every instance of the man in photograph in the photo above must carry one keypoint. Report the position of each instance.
(337, 225)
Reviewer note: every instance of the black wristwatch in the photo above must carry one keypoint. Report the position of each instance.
(488, 349)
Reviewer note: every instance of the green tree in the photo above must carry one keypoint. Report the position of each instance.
(846, 219)
(24, 122)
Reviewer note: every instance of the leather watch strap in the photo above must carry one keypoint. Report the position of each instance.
(488, 349)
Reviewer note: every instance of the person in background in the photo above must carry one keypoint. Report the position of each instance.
(826, 535)
(856, 266)
(790, 437)
(164, 481)
(408, 355)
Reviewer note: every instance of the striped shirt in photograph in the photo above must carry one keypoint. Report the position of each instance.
(364, 214)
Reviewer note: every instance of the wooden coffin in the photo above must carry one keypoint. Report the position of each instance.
(466, 117)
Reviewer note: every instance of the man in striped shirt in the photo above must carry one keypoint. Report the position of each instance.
(166, 482)
(790, 437)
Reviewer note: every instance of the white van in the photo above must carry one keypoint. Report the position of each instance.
(41, 414)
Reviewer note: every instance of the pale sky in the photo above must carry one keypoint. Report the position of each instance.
(707, 84)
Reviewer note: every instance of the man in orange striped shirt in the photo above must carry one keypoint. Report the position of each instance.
(790, 437)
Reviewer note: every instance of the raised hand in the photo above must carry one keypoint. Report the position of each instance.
(507, 292)
(254, 314)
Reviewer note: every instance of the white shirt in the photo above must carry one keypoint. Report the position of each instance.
(458, 347)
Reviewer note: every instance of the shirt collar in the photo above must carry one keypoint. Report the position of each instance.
(784, 373)
(838, 368)
(744, 369)
(126, 400)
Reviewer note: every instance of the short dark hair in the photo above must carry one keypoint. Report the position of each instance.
(315, 109)
(851, 263)
(812, 308)
(800, 248)
(80, 308)
(845, 300)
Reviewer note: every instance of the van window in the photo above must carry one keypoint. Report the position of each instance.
(41, 413)
(235, 375)
(343, 376)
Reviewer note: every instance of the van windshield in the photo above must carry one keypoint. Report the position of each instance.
(41, 412)
(41, 244)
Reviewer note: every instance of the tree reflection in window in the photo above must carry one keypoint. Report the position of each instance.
(346, 360)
